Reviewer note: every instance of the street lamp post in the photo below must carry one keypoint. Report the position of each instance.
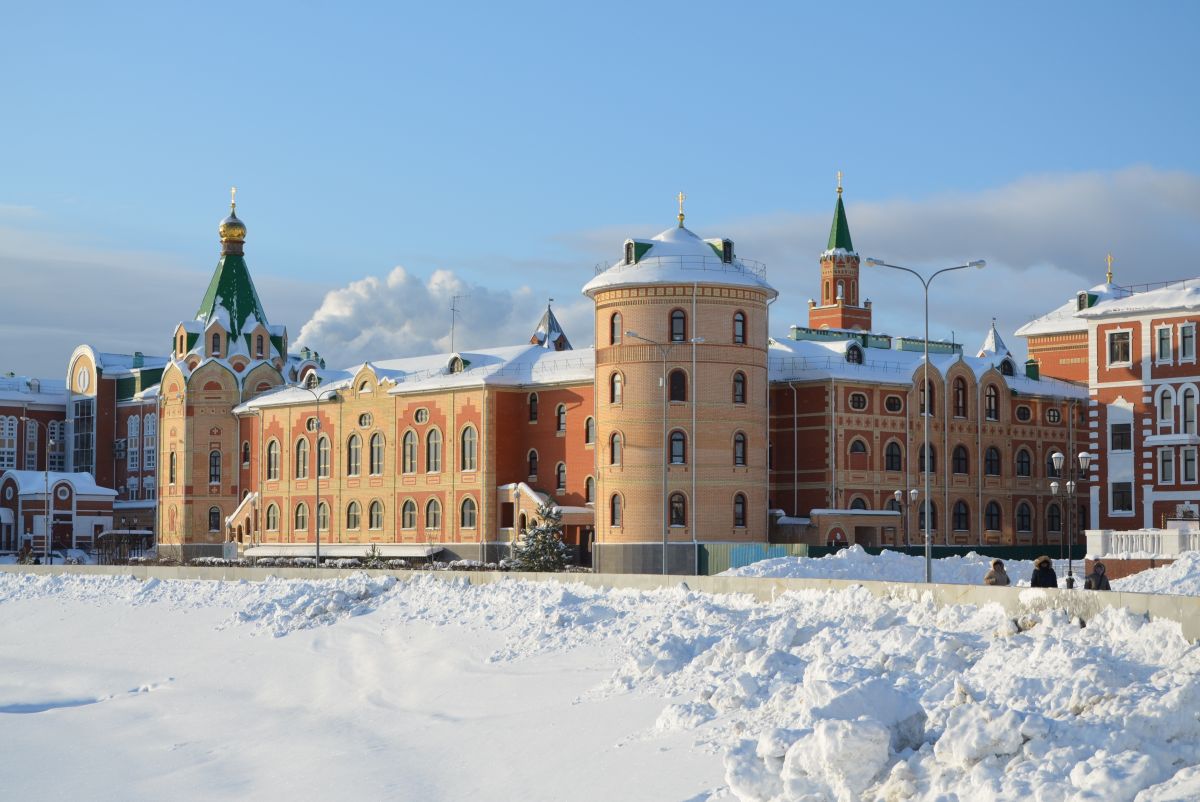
(49, 516)
(1059, 459)
(663, 350)
(904, 508)
(311, 386)
(924, 395)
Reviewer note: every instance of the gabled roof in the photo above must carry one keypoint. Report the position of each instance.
(231, 297)
(1065, 319)
(549, 333)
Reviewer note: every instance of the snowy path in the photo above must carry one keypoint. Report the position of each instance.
(365, 688)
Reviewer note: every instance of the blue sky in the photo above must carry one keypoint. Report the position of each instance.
(512, 147)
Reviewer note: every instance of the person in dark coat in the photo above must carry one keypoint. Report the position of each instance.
(1043, 574)
(1097, 580)
(997, 575)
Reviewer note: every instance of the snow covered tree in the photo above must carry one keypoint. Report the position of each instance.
(542, 548)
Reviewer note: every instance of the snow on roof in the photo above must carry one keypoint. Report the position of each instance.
(677, 256)
(114, 364)
(30, 390)
(993, 345)
(549, 333)
(1064, 319)
(816, 360)
(1176, 295)
(34, 482)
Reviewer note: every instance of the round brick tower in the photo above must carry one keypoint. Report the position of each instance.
(681, 402)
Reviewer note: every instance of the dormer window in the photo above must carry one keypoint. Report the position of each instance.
(727, 251)
(456, 365)
(1006, 368)
(1081, 301)
(854, 355)
(630, 258)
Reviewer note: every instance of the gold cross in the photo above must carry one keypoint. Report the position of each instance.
(839, 182)
(681, 198)
(1109, 260)
(233, 197)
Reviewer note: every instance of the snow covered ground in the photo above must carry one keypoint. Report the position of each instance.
(369, 688)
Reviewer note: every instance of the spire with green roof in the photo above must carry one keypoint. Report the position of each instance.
(232, 290)
(839, 233)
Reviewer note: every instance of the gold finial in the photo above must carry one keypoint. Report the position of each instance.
(1108, 276)
(839, 182)
(681, 198)
(232, 198)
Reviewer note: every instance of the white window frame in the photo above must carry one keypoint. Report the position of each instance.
(1159, 359)
(1108, 338)
(1165, 392)
(1166, 466)
(1112, 510)
(1185, 453)
(1183, 357)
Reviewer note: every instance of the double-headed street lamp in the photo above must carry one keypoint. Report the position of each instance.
(926, 402)
(311, 386)
(899, 496)
(663, 350)
(1058, 459)
(49, 517)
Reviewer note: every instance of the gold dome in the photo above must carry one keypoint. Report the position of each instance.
(231, 228)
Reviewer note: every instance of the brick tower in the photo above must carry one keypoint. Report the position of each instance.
(840, 307)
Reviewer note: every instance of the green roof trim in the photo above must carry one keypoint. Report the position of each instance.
(232, 289)
(839, 233)
(277, 341)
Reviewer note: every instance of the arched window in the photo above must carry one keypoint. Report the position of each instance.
(991, 461)
(409, 449)
(892, 505)
(323, 457)
(376, 461)
(614, 449)
(677, 381)
(301, 458)
(859, 503)
(1024, 518)
(272, 519)
(560, 477)
(739, 388)
(927, 396)
(960, 460)
(470, 443)
(589, 431)
(216, 344)
(352, 514)
(433, 451)
(214, 467)
(614, 388)
(630, 253)
(921, 516)
(467, 518)
(533, 407)
(258, 346)
(1006, 368)
(921, 467)
(408, 515)
(678, 448)
(1024, 463)
(854, 355)
(1051, 471)
(857, 446)
(739, 449)
(589, 490)
(991, 516)
(614, 510)
(245, 454)
(991, 405)
(678, 326)
(560, 418)
(301, 518)
(960, 397)
(533, 462)
(614, 329)
(1053, 518)
(353, 456)
(678, 507)
(1166, 407)
(739, 328)
(893, 457)
(962, 516)
(375, 516)
(323, 517)
(171, 471)
(433, 514)
(739, 510)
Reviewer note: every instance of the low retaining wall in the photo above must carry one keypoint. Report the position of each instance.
(1119, 568)
(1017, 601)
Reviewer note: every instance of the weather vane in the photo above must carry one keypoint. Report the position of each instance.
(839, 182)
(233, 197)
(681, 198)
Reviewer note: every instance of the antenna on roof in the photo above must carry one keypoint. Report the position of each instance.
(454, 310)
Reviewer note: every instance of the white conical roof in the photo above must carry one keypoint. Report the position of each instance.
(993, 345)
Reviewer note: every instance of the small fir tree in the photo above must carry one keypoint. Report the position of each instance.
(542, 548)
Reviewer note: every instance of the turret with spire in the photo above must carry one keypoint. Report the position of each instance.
(549, 333)
(839, 307)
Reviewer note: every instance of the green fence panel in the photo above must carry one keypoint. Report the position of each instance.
(718, 557)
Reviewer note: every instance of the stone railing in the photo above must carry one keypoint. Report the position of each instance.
(1156, 542)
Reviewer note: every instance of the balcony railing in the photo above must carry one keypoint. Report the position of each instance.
(709, 264)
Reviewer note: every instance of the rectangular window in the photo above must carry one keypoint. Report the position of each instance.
(1187, 343)
(1118, 348)
(1122, 497)
(1166, 466)
(1122, 437)
(1189, 465)
(84, 453)
(1163, 352)
(134, 452)
(31, 445)
(133, 489)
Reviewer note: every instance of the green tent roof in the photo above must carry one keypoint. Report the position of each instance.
(839, 233)
(232, 290)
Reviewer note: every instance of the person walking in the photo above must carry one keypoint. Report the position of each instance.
(996, 576)
(1043, 574)
(1097, 580)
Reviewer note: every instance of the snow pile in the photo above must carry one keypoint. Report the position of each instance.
(890, 566)
(304, 604)
(1180, 578)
